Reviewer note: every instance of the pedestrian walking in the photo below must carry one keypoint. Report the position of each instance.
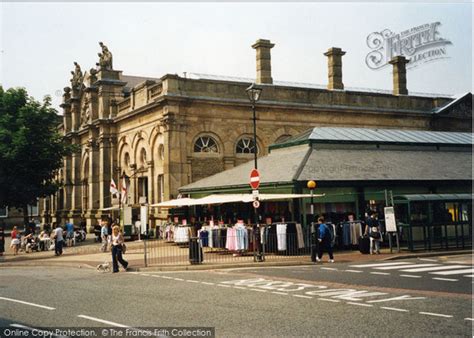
(70, 233)
(325, 240)
(58, 240)
(117, 249)
(372, 229)
(104, 233)
(15, 243)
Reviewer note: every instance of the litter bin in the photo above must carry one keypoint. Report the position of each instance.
(195, 251)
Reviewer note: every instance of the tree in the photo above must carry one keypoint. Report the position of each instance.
(31, 149)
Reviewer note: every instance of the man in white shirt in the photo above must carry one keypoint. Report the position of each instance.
(58, 240)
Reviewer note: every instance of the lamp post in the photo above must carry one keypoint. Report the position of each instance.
(314, 241)
(253, 93)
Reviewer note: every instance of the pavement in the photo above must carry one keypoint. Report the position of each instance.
(88, 255)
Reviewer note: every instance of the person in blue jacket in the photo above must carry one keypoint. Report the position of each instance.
(324, 240)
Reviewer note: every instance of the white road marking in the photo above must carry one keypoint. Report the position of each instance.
(404, 266)
(356, 271)
(380, 273)
(144, 274)
(470, 276)
(393, 309)
(436, 268)
(156, 276)
(471, 319)
(427, 259)
(208, 283)
(329, 300)
(360, 304)
(457, 262)
(180, 279)
(404, 297)
(455, 272)
(240, 287)
(446, 279)
(300, 296)
(223, 285)
(258, 290)
(329, 269)
(280, 293)
(410, 276)
(103, 321)
(28, 303)
(435, 314)
(191, 281)
(378, 264)
(167, 277)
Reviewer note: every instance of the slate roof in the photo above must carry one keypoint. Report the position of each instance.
(324, 162)
(377, 136)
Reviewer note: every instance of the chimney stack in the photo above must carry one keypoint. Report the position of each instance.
(334, 55)
(264, 64)
(399, 75)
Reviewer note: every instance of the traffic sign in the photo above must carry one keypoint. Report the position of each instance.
(256, 204)
(255, 195)
(254, 179)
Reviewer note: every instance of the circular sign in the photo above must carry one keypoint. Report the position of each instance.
(256, 204)
(254, 179)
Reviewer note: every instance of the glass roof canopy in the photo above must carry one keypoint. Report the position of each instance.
(378, 136)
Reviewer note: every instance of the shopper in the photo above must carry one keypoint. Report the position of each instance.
(117, 242)
(15, 243)
(325, 240)
(372, 228)
(58, 240)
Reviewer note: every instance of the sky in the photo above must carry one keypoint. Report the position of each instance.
(40, 41)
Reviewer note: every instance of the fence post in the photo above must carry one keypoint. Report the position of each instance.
(144, 250)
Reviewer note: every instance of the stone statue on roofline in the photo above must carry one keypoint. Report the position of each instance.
(105, 58)
(77, 77)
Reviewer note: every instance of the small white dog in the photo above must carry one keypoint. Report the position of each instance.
(104, 267)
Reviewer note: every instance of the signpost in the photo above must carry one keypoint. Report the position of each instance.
(391, 226)
(254, 184)
(254, 179)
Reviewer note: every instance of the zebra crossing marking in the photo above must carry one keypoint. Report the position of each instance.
(410, 276)
(455, 272)
(404, 266)
(435, 268)
(446, 279)
(378, 264)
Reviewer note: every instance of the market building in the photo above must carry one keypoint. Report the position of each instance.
(163, 133)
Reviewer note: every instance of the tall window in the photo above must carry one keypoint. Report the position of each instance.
(161, 152)
(205, 144)
(245, 146)
(33, 209)
(161, 188)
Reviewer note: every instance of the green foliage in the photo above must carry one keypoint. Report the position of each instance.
(31, 148)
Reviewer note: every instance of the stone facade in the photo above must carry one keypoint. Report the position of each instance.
(166, 132)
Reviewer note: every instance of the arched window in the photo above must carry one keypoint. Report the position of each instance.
(205, 144)
(245, 146)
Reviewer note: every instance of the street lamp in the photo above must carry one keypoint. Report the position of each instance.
(253, 93)
(311, 185)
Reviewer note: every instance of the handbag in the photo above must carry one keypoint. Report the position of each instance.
(124, 248)
(375, 234)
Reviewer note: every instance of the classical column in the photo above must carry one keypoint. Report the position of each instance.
(94, 178)
(334, 55)
(264, 61)
(105, 173)
(399, 75)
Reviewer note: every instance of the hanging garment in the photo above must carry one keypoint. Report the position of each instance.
(231, 240)
(281, 236)
(181, 235)
(299, 234)
(346, 234)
